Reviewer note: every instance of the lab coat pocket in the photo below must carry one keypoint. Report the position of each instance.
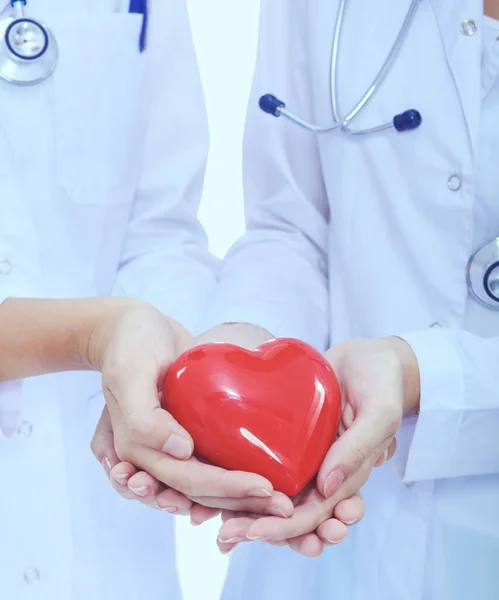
(97, 102)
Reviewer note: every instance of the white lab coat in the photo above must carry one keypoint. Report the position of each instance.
(101, 171)
(352, 237)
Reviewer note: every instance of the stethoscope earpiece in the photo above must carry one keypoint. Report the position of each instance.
(407, 121)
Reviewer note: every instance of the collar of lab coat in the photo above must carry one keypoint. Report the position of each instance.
(464, 56)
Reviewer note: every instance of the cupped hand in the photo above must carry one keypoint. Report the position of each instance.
(133, 346)
(379, 382)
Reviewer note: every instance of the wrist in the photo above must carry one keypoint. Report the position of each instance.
(98, 322)
(411, 375)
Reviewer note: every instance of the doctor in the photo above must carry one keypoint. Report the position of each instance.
(103, 144)
(362, 244)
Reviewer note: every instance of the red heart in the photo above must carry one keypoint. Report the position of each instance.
(273, 411)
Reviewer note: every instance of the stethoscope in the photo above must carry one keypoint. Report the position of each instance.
(483, 265)
(29, 53)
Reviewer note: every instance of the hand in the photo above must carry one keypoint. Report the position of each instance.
(316, 523)
(379, 381)
(133, 484)
(133, 345)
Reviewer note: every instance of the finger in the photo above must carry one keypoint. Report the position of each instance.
(382, 459)
(173, 502)
(119, 476)
(306, 518)
(235, 530)
(278, 505)
(134, 404)
(144, 486)
(230, 514)
(277, 544)
(201, 514)
(387, 454)
(122, 472)
(102, 444)
(359, 447)
(195, 479)
(351, 510)
(156, 495)
(309, 545)
(392, 449)
(332, 531)
(225, 548)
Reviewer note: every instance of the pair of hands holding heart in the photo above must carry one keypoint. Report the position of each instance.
(274, 412)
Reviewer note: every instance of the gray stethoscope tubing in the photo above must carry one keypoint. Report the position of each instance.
(406, 121)
(378, 80)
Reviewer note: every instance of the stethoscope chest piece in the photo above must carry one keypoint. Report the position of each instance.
(483, 275)
(28, 54)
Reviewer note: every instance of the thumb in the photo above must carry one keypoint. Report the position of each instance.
(360, 446)
(136, 403)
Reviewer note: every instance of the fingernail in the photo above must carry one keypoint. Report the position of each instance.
(234, 540)
(351, 522)
(256, 538)
(141, 491)
(260, 493)
(332, 543)
(385, 456)
(177, 446)
(278, 509)
(106, 463)
(195, 524)
(333, 482)
(121, 478)
(169, 509)
(226, 551)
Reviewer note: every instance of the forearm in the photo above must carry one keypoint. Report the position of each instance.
(39, 336)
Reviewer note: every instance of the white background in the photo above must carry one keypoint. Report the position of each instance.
(225, 34)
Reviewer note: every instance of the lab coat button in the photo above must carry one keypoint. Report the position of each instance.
(25, 429)
(468, 27)
(5, 267)
(31, 575)
(454, 183)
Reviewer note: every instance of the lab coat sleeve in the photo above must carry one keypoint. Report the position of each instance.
(276, 275)
(165, 259)
(457, 431)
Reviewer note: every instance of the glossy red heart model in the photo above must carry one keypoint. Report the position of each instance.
(273, 411)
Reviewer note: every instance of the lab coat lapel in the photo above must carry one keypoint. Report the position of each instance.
(464, 56)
